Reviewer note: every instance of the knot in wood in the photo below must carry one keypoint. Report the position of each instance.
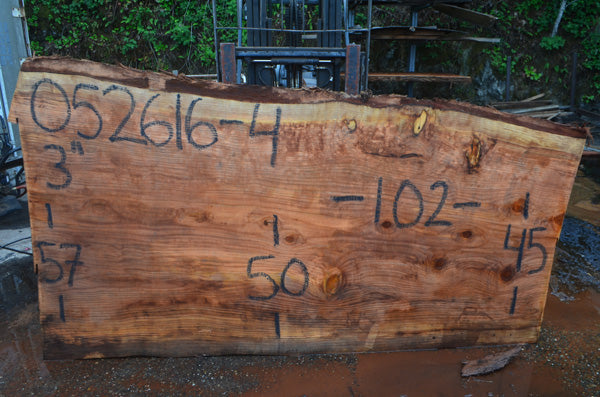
(473, 154)
(518, 206)
(332, 282)
(507, 274)
(420, 123)
(351, 124)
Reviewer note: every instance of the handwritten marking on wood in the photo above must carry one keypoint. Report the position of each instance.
(178, 218)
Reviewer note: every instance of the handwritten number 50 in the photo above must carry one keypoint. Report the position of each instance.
(284, 289)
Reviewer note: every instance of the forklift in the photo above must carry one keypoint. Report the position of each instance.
(312, 43)
(294, 44)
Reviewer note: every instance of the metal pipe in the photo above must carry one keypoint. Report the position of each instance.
(217, 57)
(413, 48)
(294, 52)
(4, 112)
(25, 32)
(293, 30)
(370, 25)
(507, 89)
(201, 76)
(240, 22)
(573, 81)
(263, 23)
(346, 33)
(240, 8)
(412, 58)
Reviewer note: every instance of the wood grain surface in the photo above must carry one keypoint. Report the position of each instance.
(175, 218)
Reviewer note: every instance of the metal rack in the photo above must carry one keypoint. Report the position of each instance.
(414, 34)
(332, 55)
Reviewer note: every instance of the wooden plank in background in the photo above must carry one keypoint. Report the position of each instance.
(172, 217)
(422, 77)
(421, 3)
(478, 18)
(521, 104)
(425, 33)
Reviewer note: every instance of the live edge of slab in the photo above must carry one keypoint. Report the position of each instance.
(173, 217)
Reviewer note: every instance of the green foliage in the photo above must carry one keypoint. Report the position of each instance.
(498, 58)
(591, 47)
(178, 34)
(582, 18)
(588, 98)
(360, 18)
(522, 23)
(532, 74)
(552, 43)
(147, 34)
(539, 15)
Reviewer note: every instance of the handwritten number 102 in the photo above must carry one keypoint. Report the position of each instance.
(405, 187)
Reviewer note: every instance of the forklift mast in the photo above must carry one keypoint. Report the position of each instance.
(292, 43)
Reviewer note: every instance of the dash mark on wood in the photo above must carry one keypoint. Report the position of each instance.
(277, 329)
(409, 155)
(61, 303)
(339, 199)
(378, 205)
(235, 122)
(49, 212)
(178, 140)
(526, 206)
(467, 204)
(275, 230)
(514, 301)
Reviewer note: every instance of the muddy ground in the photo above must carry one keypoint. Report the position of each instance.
(565, 361)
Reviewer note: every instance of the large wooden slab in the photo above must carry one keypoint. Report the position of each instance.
(180, 218)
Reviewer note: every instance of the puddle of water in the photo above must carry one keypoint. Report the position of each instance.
(583, 312)
(583, 238)
(577, 262)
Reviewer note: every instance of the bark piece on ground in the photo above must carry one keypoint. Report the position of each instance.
(489, 363)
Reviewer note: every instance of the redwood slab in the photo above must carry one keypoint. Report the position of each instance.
(175, 218)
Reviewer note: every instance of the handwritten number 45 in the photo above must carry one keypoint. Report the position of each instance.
(530, 244)
(45, 259)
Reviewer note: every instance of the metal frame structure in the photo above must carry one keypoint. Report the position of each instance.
(266, 62)
(333, 53)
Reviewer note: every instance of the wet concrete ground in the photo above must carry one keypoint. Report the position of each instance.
(565, 361)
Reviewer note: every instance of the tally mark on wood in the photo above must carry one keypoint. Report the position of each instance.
(339, 199)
